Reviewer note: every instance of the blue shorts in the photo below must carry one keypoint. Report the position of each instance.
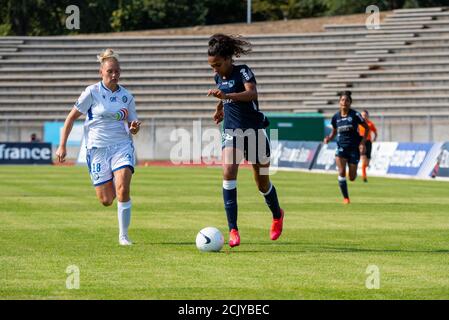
(352, 155)
(253, 144)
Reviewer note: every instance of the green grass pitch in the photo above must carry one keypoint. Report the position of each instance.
(50, 219)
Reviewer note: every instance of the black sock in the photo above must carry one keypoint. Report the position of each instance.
(343, 187)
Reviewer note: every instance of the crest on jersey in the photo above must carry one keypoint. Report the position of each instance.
(231, 83)
(349, 119)
(124, 99)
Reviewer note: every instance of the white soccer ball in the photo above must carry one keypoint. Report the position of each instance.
(209, 239)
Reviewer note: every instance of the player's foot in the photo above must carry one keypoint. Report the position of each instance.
(346, 201)
(234, 238)
(125, 241)
(276, 227)
(365, 180)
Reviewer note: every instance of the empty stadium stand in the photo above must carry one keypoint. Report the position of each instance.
(398, 71)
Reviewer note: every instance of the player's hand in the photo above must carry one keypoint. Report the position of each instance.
(216, 93)
(134, 126)
(326, 140)
(61, 153)
(218, 116)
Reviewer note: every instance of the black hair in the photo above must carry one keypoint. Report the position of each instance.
(347, 94)
(227, 46)
(366, 111)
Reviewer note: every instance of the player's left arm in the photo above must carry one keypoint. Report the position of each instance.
(250, 93)
(133, 122)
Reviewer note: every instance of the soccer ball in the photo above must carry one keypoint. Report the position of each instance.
(209, 239)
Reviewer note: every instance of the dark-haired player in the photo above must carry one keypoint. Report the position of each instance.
(244, 129)
(345, 125)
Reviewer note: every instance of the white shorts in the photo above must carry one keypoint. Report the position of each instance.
(102, 162)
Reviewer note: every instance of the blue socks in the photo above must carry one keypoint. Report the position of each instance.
(230, 202)
(343, 186)
(271, 199)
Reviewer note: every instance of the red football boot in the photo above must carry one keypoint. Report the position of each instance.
(276, 227)
(234, 238)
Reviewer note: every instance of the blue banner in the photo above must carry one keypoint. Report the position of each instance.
(442, 166)
(325, 160)
(25, 153)
(296, 154)
(408, 158)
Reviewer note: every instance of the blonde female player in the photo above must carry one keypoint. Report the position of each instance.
(110, 118)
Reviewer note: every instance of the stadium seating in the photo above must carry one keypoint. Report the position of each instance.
(399, 69)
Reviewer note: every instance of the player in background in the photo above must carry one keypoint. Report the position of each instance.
(345, 124)
(110, 118)
(244, 129)
(366, 157)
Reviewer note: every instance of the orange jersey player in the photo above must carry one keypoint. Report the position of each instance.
(366, 157)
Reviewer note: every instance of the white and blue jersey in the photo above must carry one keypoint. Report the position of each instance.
(238, 114)
(107, 115)
(108, 140)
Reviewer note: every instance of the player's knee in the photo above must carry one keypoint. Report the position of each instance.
(107, 201)
(122, 193)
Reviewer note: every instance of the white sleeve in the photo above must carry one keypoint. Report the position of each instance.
(84, 102)
(132, 114)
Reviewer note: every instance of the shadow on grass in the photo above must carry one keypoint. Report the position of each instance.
(297, 247)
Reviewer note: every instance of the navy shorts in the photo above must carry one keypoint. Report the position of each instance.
(253, 143)
(352, 155)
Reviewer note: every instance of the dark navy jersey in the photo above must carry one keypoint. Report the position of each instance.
(347, 129)
(237, 114)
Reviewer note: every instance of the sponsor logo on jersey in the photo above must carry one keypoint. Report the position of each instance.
(245, 74)
(113, 99)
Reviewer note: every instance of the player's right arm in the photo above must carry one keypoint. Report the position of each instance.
(68, 125)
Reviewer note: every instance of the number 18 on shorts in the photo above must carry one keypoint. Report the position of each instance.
(102, 162)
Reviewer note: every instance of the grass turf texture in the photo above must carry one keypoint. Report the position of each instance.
(50, 219)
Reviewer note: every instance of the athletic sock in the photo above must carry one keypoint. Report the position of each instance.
(343, 186)
(124, 217)
(230, 202)
(271, 199)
